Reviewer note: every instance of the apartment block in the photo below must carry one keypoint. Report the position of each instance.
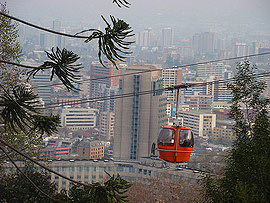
(79, 118)
(199, 122)
(171, 77)
(107, 122)
(90, 150)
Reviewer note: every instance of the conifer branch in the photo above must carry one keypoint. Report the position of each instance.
(32, 183)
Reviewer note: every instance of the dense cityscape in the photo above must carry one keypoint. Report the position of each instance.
(110, 122)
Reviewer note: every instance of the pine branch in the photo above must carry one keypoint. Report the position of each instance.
(121, 3)
(32, 183)
(62, 65)
(112, 42)
(19, 112)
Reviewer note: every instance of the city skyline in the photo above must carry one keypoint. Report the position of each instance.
(185, 18)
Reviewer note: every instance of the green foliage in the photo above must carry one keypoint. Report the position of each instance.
(246, 175)
(113, 190)
(15, 188)
(46, 124)
(19, 112)
(62, 65)
(9, 48)
(112, 43)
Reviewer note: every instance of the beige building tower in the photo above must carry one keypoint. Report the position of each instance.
(138, 118)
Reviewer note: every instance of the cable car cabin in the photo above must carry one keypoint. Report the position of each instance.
(175, 143)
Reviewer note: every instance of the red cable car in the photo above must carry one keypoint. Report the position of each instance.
(175, 143)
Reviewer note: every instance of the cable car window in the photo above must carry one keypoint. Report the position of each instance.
(166, 137)
(186, 138)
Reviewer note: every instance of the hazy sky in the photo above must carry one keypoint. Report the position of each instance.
(185, 16)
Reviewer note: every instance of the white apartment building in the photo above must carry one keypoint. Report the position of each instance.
(199, 122)
(212, 69)
(171, 77)
(79, 118)
(198, 102)
(107, 120)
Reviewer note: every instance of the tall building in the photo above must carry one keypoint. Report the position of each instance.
(113, 72)
(240, 49)
(171, 77)
(107, 104)
(97, 71)
(167, 37)
(203, 43)
(144, 38)
(221, 93)
(107, 122)
(41, 86)
(138, 118)
(58, 38)
(43, 40)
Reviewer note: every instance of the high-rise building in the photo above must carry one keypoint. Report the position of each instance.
(43, 40)
(171, 77)
(167, 37)
(108, 103)
(203, 43)
(139, 118)
(58, 38)
(107, 122)
(97, 71)
(113, 72)
(41, 86)
(240, 49)
(144, 38)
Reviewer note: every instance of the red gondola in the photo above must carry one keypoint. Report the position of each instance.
(175, 143)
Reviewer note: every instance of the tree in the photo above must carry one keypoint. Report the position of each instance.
(14, 188)
(9, 47)
(246, 175)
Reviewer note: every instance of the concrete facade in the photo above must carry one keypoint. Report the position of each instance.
(138, 118)
(199, 122)
(171, 77)
(79, 118)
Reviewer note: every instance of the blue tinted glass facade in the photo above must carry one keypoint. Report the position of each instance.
(135, 117)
